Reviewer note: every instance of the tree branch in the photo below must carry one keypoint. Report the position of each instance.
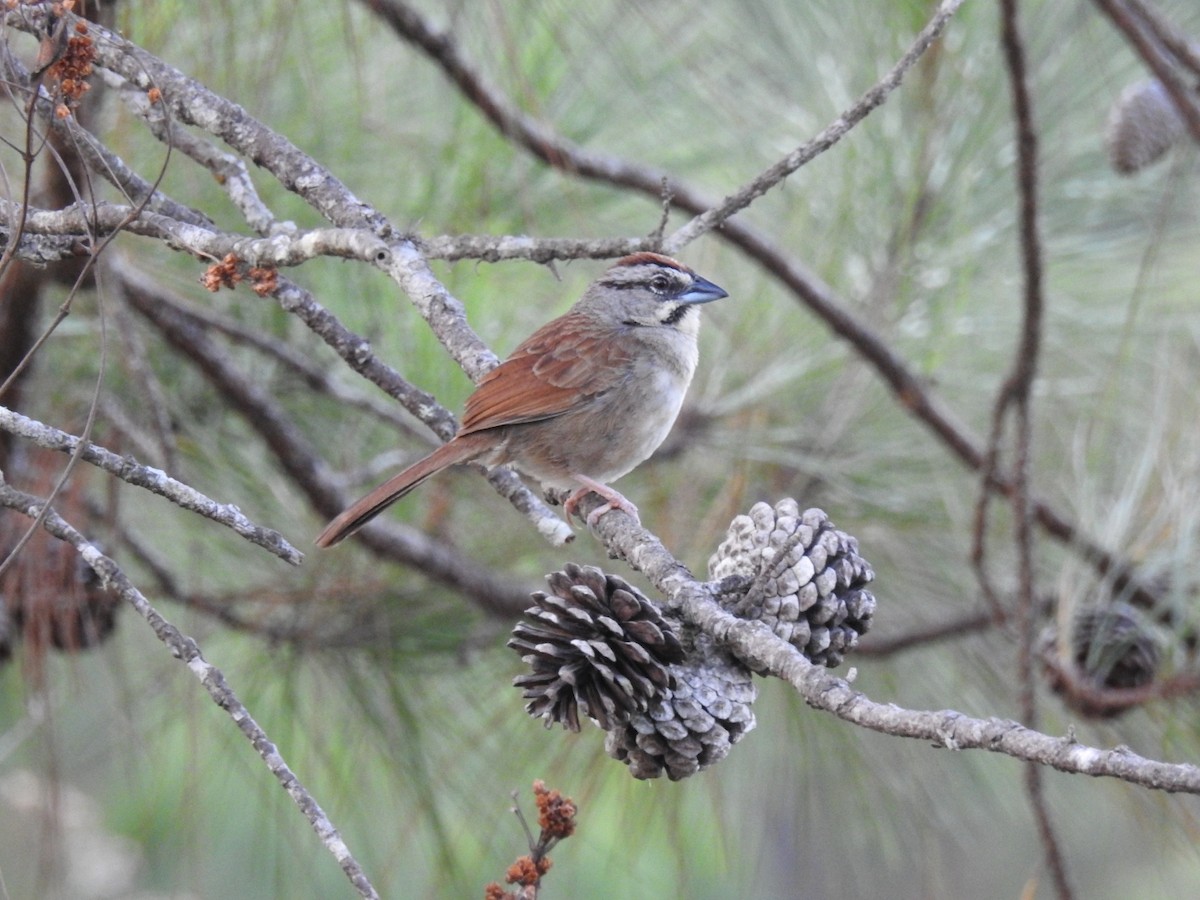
(182, 647)
(915, 395)
(830, 135)
(84, 221)
(1139, 24)
(154, 480)
(1016, 391)
(762, 650)
(297, 457)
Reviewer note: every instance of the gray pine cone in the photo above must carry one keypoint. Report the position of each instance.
(808, 581)
(693, 724)
(1143, 124)
(594, 643)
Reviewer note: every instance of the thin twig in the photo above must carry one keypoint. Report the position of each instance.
(970, 623)
(154, 480)
(302, 364)
(830, 135)
(1138, 31)
(151, 396)
(185, 649)
(1082, 693)
(914, 393)
(1017, 391)
(758, 647)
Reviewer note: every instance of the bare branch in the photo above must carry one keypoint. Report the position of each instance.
(493, 248)
(828, 136)
(297, 457)
(1016, 391)
(1139, 30)
(1165, 32)
(280, 249)
(185, 649)
(970, 623)
(41, 250)
(229, 171)
(154, 480)
(762, 650)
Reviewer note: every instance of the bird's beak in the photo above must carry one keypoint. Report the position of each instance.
(701, 291)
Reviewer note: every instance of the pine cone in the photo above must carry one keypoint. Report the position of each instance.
(1116, 646)
(692, 724)
(1143, 124)
(51, 597)
(597, 643)
(808, 579)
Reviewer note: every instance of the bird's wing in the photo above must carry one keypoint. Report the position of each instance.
(558, 366)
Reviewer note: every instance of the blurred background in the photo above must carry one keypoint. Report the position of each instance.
(389, 693)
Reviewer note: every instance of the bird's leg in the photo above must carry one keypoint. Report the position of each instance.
(613, 498)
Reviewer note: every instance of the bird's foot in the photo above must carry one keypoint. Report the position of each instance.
(613, 500)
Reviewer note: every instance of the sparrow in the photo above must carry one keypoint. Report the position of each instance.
(585, 399)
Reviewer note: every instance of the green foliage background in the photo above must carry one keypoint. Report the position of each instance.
(410, 736)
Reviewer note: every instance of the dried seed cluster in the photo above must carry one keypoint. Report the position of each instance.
(73, 69)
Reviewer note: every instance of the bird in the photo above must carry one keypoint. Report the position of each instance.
(585, 399)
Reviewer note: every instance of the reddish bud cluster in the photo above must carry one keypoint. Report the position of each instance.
(556, 813)
(527, 871)
(556, 816)
(263, 279)
(223, 274)
(73, 69)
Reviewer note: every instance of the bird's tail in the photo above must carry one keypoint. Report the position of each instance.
(364, 510)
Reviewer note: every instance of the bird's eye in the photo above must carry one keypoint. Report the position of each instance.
(660, 284)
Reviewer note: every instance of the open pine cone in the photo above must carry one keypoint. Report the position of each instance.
(809, 583)
(595, 643)
(692, 724)
(598, 645)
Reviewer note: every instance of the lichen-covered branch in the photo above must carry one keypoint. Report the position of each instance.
(185, 649)
(763, 651)
(154, 480)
